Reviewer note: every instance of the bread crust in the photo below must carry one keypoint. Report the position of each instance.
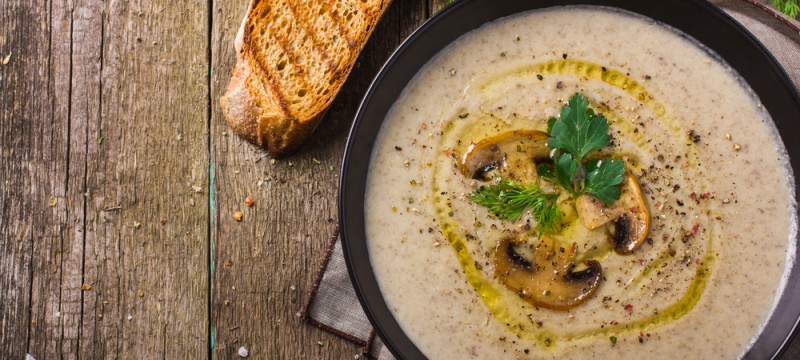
(254, 105)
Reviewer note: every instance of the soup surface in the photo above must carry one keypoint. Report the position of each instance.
(712, 171)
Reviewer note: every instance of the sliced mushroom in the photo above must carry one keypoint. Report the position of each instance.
(513, 153)
(629, 216)
(547, 279)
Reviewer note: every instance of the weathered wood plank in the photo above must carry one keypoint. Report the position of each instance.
(266, 263)
(145, 253)
(55, 145)
(31, 163)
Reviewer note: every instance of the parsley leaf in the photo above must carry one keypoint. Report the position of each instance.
(576, 133)
(508, 201)
(566, 167)
(579, 130)
(603, 178)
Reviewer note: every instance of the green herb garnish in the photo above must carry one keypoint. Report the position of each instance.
(603, 178)
(575, 134)
(579, 130)
(788, 7)
(508, 201)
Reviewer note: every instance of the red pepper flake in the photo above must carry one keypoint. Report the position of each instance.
(249, 201)
(642, 261)
(629, 307)
(693, 196)
(706, 195)
(697, 261)
(598, 204)
(634, 209)
(695, 228)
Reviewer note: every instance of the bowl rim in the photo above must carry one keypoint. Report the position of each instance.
(757, 66)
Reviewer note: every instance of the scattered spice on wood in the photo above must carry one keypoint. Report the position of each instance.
(52, 202)
(249, 201)
(238, 216)
(86, 287)
(137, 224)
(7, 59)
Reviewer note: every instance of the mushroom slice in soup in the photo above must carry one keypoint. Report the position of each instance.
(546, 280)
(514, 154)
(628, 217)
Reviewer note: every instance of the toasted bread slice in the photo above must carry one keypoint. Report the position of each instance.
(293, 57)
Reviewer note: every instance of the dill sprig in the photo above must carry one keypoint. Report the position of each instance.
(508, 201)
(788, 7)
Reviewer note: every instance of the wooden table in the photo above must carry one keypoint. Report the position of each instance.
(119, 179)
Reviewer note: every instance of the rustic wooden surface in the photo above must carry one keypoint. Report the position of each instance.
(118, 179)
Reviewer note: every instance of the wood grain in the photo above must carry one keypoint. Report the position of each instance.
(104, 123)
(119, 177)
(31, 167)
(146, 247)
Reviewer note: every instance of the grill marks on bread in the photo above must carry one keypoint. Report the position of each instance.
(307, 46)
(295, 56)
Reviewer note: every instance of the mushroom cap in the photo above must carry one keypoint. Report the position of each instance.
(629, 217)
(546, 280)
(513, 153)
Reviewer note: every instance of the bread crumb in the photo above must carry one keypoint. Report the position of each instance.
(243, 352)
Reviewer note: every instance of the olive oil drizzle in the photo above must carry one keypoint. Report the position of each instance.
(496, 297)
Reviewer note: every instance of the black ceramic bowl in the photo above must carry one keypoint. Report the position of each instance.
(697, 18)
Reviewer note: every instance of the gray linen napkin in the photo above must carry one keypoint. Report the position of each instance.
(333, 304)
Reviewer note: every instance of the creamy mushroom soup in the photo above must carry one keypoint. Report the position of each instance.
(714, 199)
